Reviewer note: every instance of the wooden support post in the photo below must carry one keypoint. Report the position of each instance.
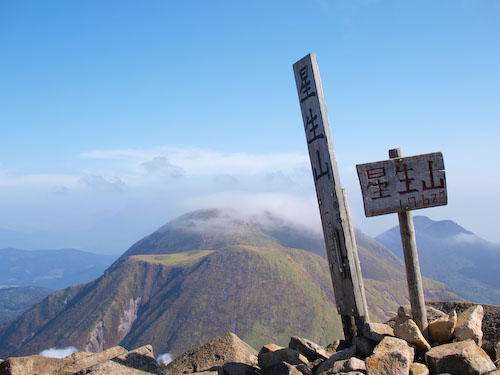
(339, 237)
(357, 320)
(415, 287)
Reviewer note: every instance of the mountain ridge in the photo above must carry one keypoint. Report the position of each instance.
(451, 254)
(175, 300)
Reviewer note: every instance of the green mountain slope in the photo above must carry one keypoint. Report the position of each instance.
(204, 229)
(16, 300)
(244, 282)
(177, 301)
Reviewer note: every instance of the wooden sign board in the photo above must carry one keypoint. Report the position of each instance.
(403, 184)
(339, 239)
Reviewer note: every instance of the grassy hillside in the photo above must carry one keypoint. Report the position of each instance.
(16, 300)
(245, 282)
(181, 300)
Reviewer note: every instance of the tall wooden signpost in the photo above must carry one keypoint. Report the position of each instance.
(401, 185)
(337, 228)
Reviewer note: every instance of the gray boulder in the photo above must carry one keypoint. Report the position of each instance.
(462, 357)
(406, 329)
(339, 356)
(346, 366)
(377, 331)
(441, 329)
(212, 355)
(290, 356)
(392, 356)
(309, 349)
(31, 365)
(469, 325)
(83, 360)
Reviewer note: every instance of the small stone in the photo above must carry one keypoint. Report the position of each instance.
(392, 356)
(290, 356)
(441, 329)
(469, 325)
(406, 329)
(348, 365)
(418, 369)
(309, 349)
(339, 356)
(462, 357)
(377, 331)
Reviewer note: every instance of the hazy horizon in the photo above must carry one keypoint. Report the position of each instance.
(117, 117)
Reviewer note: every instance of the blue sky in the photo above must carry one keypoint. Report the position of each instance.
(117, 116)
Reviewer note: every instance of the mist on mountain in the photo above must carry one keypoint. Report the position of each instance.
(451, 254)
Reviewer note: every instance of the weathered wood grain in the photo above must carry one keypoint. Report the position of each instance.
(340, 244)
(403, 184)
(412, 265)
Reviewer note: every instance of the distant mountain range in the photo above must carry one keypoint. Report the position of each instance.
(455, 256)
(206, 273)
(28, 276)
(53, 269)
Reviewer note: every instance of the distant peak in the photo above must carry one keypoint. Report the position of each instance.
(422, 222)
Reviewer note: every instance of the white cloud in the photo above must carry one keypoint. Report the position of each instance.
(297, 208)
(160, 164)
(164, 358)
(203, 162)
(58, 353)
(102, 184)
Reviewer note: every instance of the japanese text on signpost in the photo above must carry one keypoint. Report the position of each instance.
(403, 184)
(339, 239)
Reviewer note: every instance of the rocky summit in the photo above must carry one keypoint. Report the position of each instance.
(390, 354)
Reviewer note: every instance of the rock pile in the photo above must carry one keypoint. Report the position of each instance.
(116, 360)
(452, 347)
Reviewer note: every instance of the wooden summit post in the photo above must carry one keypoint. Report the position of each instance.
(412, 266)
(337, 228)
(401, 185)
